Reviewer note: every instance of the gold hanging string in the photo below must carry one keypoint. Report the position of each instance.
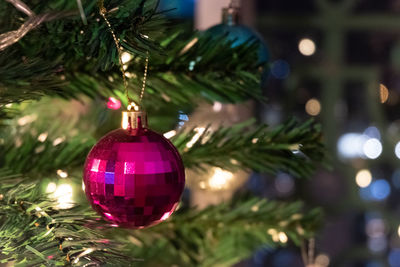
(131, 104)
(146, 66)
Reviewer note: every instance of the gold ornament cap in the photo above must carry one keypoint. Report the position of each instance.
(134, 118)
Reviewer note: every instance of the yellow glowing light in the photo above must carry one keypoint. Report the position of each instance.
(255, 208)
(40, 149)
(51, 187)
(274, 234)
(27, 119)
(322, 260)
(58, 141)
(199, 131)
(83, 186)
(126, 57)
(313, 107)
(202, 185)
(169, 134)
(220, 179)
(363, 178)
(63, 194)
(217, 106)
(130, 75)
(62, 173)
(307, 47)
(42, 137)
(282, 237)
(384, 93)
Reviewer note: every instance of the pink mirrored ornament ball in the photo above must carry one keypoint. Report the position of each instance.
(134, 177)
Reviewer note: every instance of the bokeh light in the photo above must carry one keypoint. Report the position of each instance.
(126, 57)
(63, 195)
(322, 260)
(372, 148)
(397, 150)
(220, 179)
(375, 228)
(383, 93)
(62, 174)
(280, 69)
(284, 184)
(282, 237)
(373, 132)
(217, 106)
(378, 244)
(42, 137)
(51, 187)
(363, 178)
(350, 145)
(307, 47)
(313, 107)
(380, 189)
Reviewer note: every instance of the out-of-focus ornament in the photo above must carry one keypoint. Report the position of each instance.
(231, 28)
(134, 177)
(177, 8)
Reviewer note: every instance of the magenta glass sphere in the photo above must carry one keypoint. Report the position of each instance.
(134, 178)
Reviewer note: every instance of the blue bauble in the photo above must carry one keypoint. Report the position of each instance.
(178, 8)
(240, 34)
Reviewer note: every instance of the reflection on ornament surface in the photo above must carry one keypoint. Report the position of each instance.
(113, 103)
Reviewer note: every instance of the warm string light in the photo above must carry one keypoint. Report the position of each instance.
(383, 93)
(363, 178)
(307, 47)
(103, 12)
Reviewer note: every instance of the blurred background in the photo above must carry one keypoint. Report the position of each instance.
(339, 63)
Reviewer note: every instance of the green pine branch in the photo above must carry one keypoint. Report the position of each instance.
(33, 231)
(67, 58)
(291, 147)
(223, 235)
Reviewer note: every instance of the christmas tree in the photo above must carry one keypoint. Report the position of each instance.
(59, 66)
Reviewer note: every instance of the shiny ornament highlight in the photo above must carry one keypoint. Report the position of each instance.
(134, 177)
(113, 103)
